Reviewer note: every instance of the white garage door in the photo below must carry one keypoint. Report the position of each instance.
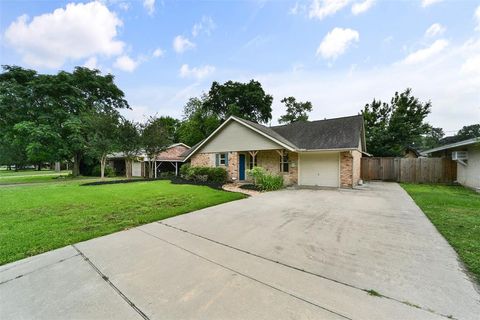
(319, 169)
(136, 169)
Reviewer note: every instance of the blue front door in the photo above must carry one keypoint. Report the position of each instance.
(241, 167)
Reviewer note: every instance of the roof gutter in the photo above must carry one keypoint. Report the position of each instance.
(326, 150)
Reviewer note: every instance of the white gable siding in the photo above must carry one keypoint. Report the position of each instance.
(469, 175)
(237, 137)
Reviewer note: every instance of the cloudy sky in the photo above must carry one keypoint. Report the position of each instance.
(339, 54)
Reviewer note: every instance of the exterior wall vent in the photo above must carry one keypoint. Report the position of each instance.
(459, 155)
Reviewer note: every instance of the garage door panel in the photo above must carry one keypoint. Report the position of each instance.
(319, 169)
(136, 169)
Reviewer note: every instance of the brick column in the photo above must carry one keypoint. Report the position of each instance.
(346, 170)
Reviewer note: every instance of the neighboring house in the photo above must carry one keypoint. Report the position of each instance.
(411, 153)
(467, 155)
(168, 160)
(310, 153)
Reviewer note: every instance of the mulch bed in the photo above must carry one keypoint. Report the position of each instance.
(174, 180)
(250, 187)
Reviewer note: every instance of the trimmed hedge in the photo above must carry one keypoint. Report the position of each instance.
(204, 174)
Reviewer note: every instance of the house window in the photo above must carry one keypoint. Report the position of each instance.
(221, 159)
(284, 163)
(253, 162)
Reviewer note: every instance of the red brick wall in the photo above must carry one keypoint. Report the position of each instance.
(350, 168)
(346, 169)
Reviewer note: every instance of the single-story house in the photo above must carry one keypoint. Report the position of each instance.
(467, 155)
(323, 153)
(168, 160)
(411, 153)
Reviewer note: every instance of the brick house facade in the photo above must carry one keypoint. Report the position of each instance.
(324, 153)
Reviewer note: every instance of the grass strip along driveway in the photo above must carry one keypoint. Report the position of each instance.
(19, 177)
(35, 219)
(455, 212)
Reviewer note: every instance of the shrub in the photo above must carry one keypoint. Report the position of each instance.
(109, 171)
(264, 180)
(204, 174)
(184, 170)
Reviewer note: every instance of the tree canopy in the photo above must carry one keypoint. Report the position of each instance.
(45, 118)
(197, 122)
(296, 111)
(245, 100)
(392, 127)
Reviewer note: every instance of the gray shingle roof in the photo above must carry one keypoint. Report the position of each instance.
(338, 133)
(335, 133)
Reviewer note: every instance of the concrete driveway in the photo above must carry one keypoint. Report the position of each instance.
(293, 254)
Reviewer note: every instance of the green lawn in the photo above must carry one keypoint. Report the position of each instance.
(455, 211)
(38, 218)
(31, 176)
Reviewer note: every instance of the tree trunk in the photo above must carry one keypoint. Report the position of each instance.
(103, 161)
(76, 165)
(128, 168)
(151, 171)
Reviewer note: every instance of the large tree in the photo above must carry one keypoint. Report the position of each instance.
(155, 138)
(197, 122)
(172, 126)
(245, 100)
(103, 136)
(431, 139)
(296, 110)
(392, 127)
(43, 116)
(129, 142)
(95, 94)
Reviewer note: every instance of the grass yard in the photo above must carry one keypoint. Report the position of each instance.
(31, 176)
(455, 211)
(35, 219)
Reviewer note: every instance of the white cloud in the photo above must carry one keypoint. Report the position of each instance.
(361, 7)
(426, 53)
(322, 8)
(182, 44)
(91, 63)
(77, 32)
(206, 25)
(472, 65)
(125, 63)
(158, 53)
(125, 6)
(435, 30)
(477, 17)
(336, 42)
(426, 3)
(149, 5)
(295, 9)
(198, 73)
(454, 94)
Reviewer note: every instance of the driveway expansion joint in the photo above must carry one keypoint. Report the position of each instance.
(110, 283)
(367, 291)
(246, 275)
(35, 270)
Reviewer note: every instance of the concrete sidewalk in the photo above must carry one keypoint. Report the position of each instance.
(266, 257)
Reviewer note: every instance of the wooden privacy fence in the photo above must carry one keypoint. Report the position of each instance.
(419, 170)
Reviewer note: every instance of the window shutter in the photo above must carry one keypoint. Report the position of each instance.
(226, 159)
(217, 159)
